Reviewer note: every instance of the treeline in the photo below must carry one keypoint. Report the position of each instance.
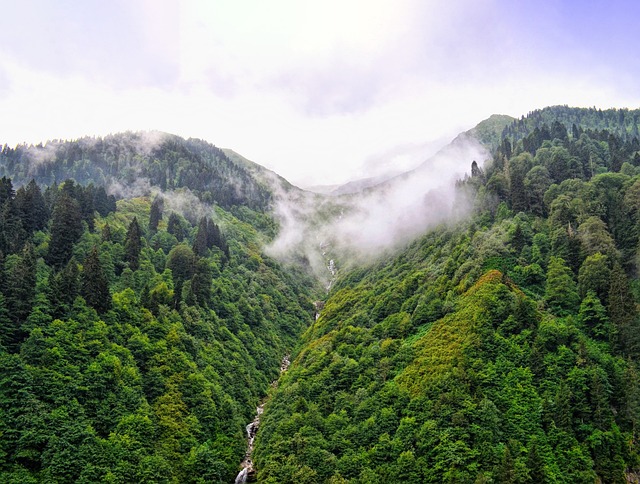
(135, 159)
(135, 344)
(504, 349)
(620, 122)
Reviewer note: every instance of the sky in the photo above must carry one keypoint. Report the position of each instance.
(319, 91)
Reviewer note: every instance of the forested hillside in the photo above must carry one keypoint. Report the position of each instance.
(141, 321)
(500, 349)
(138, 161)
(135, 340)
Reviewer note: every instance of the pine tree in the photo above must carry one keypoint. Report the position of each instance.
(216, 238)
(39, 213)
(201, 282)
(133, 245)
(174, 227)
(64, 287)
(95, 288)
(7, 328)
(66, 229)
(201, 242)
(12, 232)
(20, 292)
(561, 293)
(181, 261)
(155, 215)
(593, 317)
(623, 314)
(106, 233)
(6, 190)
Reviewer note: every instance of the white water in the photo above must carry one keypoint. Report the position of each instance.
(252, 430)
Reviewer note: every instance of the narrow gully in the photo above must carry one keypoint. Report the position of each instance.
(247, 471)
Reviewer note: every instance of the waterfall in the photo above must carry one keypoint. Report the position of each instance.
(242, 476)
(248, 472)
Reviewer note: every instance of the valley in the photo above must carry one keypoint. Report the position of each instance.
(472, 320)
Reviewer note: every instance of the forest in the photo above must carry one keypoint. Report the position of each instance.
(503, 348)
(135, 343)
(141, 321)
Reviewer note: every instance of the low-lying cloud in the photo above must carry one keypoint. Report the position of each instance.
(378, 219)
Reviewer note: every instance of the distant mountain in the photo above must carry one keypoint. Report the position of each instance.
(139, 161)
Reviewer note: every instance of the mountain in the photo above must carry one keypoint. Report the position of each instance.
(473, 320)
(137, 335)
(137, 162)
(502, 347)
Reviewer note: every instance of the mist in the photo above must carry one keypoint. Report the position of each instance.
(377, 220)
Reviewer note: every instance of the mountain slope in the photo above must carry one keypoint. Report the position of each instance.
(135, 344)
(136, 162)
(502, 348)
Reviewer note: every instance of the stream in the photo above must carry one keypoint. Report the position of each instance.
(247, 473)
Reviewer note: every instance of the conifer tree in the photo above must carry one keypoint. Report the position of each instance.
(12, 233)
(155, 215)
(20, 292)
(593, 317)
(623, 313)
(174, 227)
(95, 288)
(215, 237)
(201, 243)
(133, 245)
(32, 207)
(64, 288)
(6, 190)
(66, 229)
(561, 293)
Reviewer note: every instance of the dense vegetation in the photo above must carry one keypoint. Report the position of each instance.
(139, 160)
(502, 349)
(136, 338)
(135, 343)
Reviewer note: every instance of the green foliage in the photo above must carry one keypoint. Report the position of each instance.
(473, 355)
(152, 374)
(502, 348)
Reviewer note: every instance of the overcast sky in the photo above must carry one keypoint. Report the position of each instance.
(320, 91)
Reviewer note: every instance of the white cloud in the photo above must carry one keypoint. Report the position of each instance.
(313, 90)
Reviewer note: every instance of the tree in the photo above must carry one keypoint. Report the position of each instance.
(215, 237)
(536, 184)
(31, 204)
(561, 294)
(94, 286)
(133, 245)
(7, 328)
(64, 287)
(175, 228)
(6, 190)
(623, 313)
(155, 215)
(594, 276)
(12, 233)
(201, 240)
(595, 237)
(66, 229)
(181, 261)
(103, 203)
(201, 283)
(20, 293)
(593, 317)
